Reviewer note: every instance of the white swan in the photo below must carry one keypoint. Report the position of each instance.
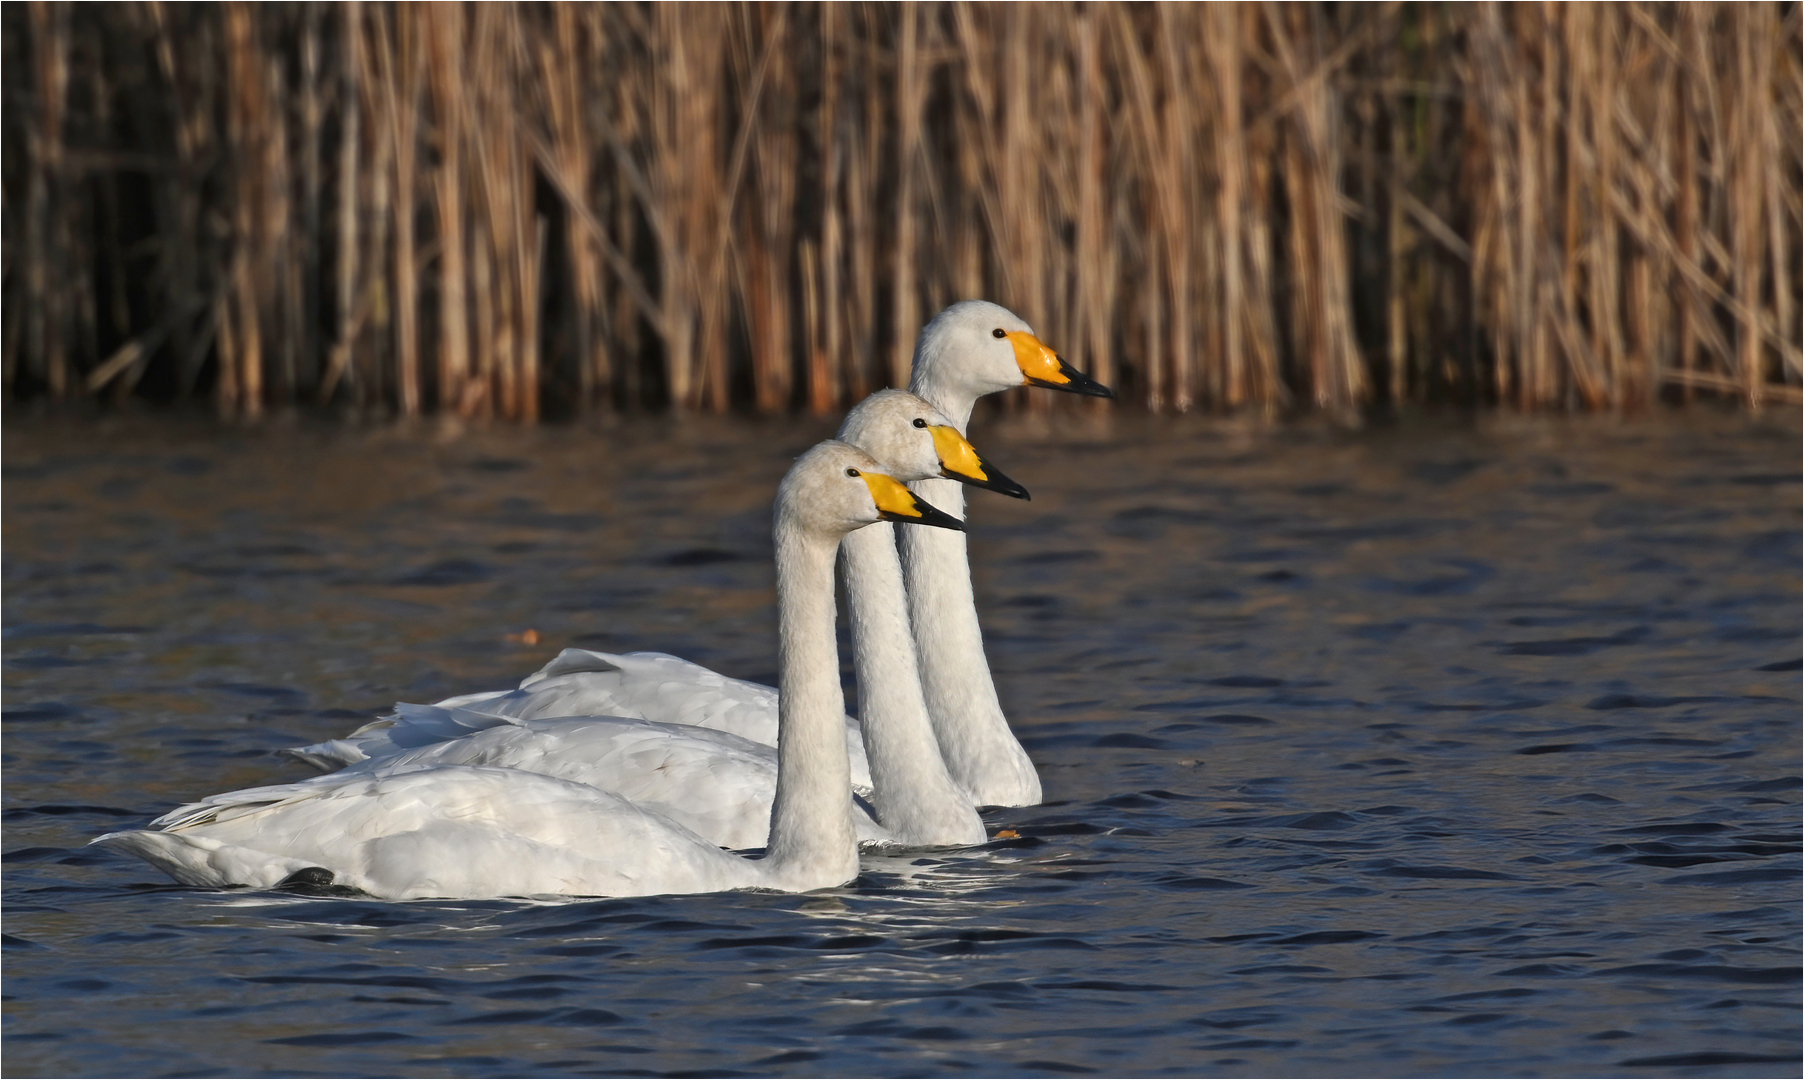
(970, 349)
(474, 831)
(912, 440)
(714, 781)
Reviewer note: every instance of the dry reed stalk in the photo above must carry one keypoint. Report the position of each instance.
(1054, 109)
(965, 177)
(1141, 136)
(280, 264)
(1176, 171)
(1604, 303)
(445, 34)
(305, 271)
(911, 93)
(863, 163)
(350, 123)
(240, 387)
(1685, 216)
(497, 34)
(1016, 48)
(44, 242)
(825, 363)
(531, 257)
(1750, 28)
(685, 196)
(1399, 247)
(1540, 382)
(773, 117)
(1317, 236)
(1090, 298)
(401, 92)
(819, 370)
(594, 357)
(478, 401)
(178, 201)
(1581, 275)
(1222, 37)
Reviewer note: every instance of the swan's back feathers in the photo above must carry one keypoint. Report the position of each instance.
(712, 782)
(650, 685)
(578, 682)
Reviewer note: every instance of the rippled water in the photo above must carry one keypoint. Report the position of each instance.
(1426, 751)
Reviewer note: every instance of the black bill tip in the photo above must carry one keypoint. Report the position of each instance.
(994, 481)
(924, 513)
(1076, 382)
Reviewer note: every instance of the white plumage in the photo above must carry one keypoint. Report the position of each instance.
(650, 686)
(725, 781)
(402, 831)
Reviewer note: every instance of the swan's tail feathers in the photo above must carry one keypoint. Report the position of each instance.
(204, 862)
(464, 701)
(407, 727)
(236, 804)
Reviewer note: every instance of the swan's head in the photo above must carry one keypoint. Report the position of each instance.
(836, 488)
(975, 347)
(915, 441)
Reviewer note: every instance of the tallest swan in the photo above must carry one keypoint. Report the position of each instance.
(474, 831)
(970, 349)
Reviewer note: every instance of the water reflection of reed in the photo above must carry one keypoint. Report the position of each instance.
(491, 210)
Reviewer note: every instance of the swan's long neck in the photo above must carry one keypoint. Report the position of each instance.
(916, 799)
(812, 844)
(955, 402)
(981, 752)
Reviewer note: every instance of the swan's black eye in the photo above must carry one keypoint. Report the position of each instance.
(998, 332)
(851, 472)
(920, 422)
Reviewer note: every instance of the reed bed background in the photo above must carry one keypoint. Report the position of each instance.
(514, 210)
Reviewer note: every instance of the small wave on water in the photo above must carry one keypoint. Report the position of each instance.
(1424, 752)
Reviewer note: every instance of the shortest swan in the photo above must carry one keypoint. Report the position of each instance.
(469, 831)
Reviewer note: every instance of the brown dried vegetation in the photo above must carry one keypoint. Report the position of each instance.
(484, 211)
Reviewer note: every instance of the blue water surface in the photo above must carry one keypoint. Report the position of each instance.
(1433, 749)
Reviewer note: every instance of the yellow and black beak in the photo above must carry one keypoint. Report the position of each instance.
(960, 461)
(896, 503)
(1040, 366)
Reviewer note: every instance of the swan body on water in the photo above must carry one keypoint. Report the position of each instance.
(410, 831)
(968, 350)
(718, 776)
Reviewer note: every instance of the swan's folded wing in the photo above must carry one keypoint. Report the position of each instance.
(712, 782)
(661, 687)
(407, 727)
